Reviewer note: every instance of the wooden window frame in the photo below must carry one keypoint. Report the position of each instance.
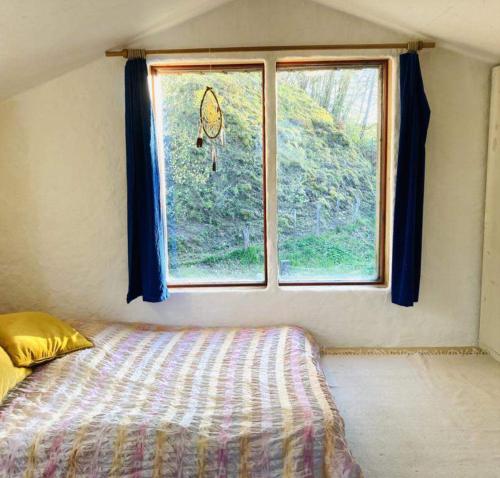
(159, 69)
(383, 64)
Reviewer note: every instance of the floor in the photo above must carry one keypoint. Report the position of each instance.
(420, 415)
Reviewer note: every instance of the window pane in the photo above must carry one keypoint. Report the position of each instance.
(215, 220)
(328, 173)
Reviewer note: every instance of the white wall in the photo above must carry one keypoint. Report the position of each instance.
(489, 337)
(63, 196)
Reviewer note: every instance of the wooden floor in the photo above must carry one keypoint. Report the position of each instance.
(420, 415)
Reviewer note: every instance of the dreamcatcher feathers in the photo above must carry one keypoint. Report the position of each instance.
(211, 123)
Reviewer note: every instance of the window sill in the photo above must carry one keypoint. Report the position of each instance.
(334, 287)
(287, 288)
(216, 288)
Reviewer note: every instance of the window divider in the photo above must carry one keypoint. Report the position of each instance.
(271, 98)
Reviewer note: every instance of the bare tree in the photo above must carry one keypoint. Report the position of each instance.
(340, 96)
(368, 104)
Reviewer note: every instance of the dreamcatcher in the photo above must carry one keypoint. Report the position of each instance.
(211, 123)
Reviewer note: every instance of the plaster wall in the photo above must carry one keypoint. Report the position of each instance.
(489, 337)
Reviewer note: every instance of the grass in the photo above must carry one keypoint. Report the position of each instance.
(347, 252)
(235, 265)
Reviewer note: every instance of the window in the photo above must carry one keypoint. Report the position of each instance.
(215, 221)
(330, 166)
(331, 170)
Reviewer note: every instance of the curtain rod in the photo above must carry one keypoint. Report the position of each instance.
(410, 46)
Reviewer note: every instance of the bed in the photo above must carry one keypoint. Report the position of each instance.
(155, 402)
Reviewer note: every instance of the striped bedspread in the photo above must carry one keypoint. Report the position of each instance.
(153, 402)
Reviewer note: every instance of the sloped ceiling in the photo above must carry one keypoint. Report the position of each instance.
(470, 26)
(41, 39)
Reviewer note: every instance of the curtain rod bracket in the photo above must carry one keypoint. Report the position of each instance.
(415, 45)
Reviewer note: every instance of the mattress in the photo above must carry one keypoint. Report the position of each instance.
(154, 402)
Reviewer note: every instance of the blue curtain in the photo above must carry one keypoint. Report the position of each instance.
(408, 212)
(146, 242)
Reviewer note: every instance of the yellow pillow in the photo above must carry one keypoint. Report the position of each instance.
(35, 337)
(10, 376)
